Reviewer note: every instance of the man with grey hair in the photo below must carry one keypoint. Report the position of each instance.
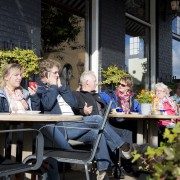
(56, 98)
(89, 103)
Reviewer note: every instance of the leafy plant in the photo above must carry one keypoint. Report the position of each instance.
(145, 96)
(163, 162)
(27, 58)
(57, 27)
(112, 75)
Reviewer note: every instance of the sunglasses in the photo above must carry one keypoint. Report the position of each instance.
(123, 85)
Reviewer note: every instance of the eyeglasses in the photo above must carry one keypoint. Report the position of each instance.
(56, 72)
(123, 85)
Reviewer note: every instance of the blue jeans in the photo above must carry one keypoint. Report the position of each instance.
(54, 137)
(113, 139)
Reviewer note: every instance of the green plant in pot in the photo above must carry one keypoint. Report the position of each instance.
(27, 58)
(112, 75)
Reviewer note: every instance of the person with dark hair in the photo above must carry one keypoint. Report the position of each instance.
(176, 96)
(124, 98)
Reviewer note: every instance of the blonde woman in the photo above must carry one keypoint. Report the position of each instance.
(13, 98)
(165, 104)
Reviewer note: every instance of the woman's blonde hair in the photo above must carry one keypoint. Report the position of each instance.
(6, 71)
(46, 65)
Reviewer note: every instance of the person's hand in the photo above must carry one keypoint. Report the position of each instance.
(32, 90)
(59, 82)
(87, 110)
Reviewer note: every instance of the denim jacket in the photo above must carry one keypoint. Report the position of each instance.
(48, 103)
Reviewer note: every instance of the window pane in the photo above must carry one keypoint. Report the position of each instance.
(138, 8)
(176, 25)
(176, 59)
(137, 52)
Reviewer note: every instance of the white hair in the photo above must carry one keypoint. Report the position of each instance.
(86, 76)
(163, 86)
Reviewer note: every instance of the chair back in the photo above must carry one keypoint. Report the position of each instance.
(100, 131)
(9, 167)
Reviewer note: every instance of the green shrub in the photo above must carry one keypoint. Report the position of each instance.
(163, 162)
(112, 75)
(27, 58)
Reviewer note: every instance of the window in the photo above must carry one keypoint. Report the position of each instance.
(176, 25)
(137, 52)
(175, 58)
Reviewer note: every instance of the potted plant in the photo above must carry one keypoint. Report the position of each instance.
(145, 98)
(162, 162)
(112, 75)
(27, 58)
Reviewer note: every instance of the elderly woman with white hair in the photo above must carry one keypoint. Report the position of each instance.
(165, 103)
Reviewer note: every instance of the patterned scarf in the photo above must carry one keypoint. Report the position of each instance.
(16, 102)
(124, 100)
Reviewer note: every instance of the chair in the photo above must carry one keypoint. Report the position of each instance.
(9, 167)
(77, 156)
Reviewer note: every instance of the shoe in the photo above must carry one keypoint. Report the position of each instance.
(127, 154)
(118, 172)
(102, 175)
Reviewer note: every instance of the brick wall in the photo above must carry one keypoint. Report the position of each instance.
(164, 39)
(111, 33)
(20, 24)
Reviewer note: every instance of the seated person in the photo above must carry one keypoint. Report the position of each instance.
(165, 103)
(13, 97)
(123, 97)
(90, 103)
(176, 96)
(56, 98)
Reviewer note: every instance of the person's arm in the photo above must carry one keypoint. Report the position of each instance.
(136, 107)
(48, 97)
(171, 103)
(35, 102)
(106, 98)
(4, 106)
(67, 95)
(78, 109)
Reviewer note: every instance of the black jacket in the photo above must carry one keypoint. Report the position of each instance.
(92, 99)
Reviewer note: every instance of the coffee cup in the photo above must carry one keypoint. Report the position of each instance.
(32, 84)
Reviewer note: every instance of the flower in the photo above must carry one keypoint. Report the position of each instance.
(145, 96)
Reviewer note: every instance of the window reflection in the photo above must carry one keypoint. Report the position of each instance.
(138, 8)
(175, 57)
(137, 52)
(176, 25)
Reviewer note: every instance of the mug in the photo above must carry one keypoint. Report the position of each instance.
(32, 84)
(118, 109)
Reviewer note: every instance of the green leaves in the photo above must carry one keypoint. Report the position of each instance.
(27, 58)
(163, 161)
(112, 75)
